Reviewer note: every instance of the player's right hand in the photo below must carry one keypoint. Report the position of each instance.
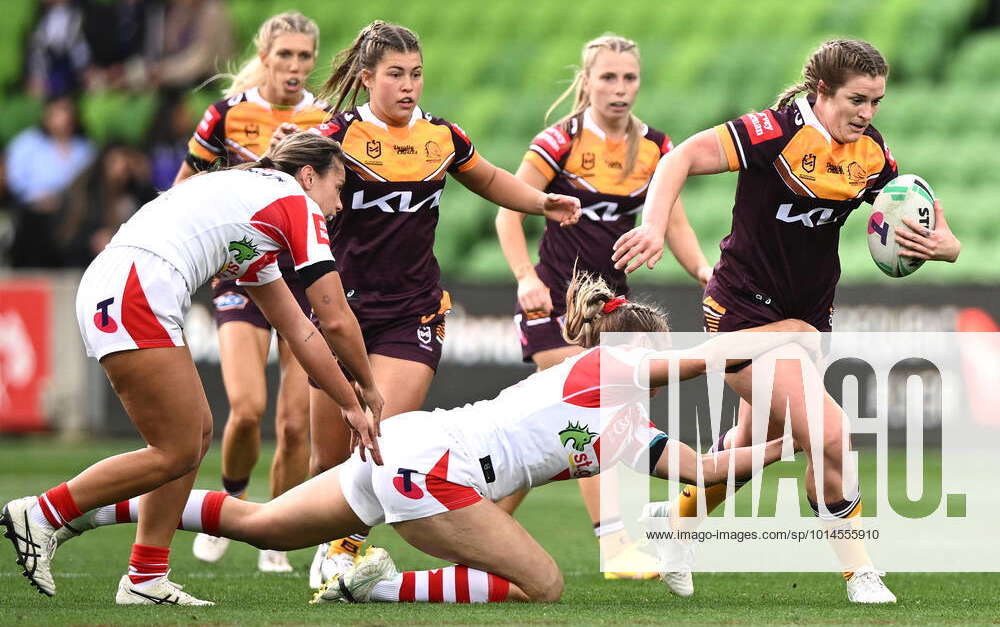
(364, 432)
(284, 130)
(636, 247)
(371, 398)
(533, 295)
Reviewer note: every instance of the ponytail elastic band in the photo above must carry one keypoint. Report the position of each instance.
(613, 304)
(266, 162)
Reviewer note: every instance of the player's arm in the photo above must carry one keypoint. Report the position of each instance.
(714, 467)
(684, 246)
(701, 153)
(531, 292)
(503, 188)
(283, 312)
(735, 348)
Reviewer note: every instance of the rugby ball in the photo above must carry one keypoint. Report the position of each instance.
(906, 196)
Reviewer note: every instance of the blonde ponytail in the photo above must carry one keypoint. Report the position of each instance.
(581, 99)
(592, 308)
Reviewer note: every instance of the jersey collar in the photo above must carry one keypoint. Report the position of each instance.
(253, 95)
(366, 115)
(591, 125)
(809, 118)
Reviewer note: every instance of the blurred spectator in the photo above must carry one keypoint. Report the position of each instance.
(58, 54)
(120, 36)
(168, 138)
(6, 215)
(195, 40)
(101, 200)
(41, 164)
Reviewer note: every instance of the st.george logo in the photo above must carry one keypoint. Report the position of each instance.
(102, 320)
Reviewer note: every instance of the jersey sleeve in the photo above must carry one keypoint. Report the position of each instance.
(548, 151)
(754, 140)
(662, 140)
(208, 143)
(261, 272)
(888, 172)
(308, 239)
(334, 128)
(466, 156)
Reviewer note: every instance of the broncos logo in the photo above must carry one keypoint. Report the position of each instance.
(579, 435)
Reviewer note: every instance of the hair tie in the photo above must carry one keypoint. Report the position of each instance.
(266, 162)
(613, 304)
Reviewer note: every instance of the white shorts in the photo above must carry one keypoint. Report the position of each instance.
(427, 471)
(128, 299)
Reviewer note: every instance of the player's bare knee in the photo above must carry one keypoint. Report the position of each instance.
(245, 413)
(291, 434)
(545, 585)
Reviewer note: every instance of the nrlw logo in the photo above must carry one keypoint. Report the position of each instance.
(374, 149)
(395, 202)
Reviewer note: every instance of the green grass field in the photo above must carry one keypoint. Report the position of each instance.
(87, 571)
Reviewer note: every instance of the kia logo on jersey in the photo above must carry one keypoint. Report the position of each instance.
(374, 149)
(102, 320)
(405, 485)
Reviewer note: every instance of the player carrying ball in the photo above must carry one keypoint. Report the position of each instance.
(131, 304)
(443, 470)
(804, 166)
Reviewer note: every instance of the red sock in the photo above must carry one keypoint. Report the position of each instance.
(148, 563)
(58, 506)
(454, 584)
(202, 512)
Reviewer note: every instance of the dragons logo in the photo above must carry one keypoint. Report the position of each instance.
(245, 250)
(579, 435)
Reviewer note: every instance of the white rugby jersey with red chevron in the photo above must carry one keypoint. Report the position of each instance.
(230, 224)
(562, 423)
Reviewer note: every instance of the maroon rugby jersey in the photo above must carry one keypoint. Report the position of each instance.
(578, 159)
(797, 185)
(383, 239)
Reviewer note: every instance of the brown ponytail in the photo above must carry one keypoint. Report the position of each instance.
(834, 63)
(368, 48)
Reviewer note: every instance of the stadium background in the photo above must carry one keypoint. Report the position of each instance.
(494, 68)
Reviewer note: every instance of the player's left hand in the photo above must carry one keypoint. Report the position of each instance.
(920, 242)
(704, 275)
(562, 209)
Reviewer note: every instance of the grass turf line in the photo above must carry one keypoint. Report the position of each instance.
(87, 571)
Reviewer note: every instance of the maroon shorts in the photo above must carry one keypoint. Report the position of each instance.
(730, 317)
(417, 338)
(232, 304)
(736, 316)
(539, 331)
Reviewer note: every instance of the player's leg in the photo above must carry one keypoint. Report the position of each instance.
(404, 384)
(244, 339)
(290, 465)
(841, 499)
(162, 394)
(497, 560)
